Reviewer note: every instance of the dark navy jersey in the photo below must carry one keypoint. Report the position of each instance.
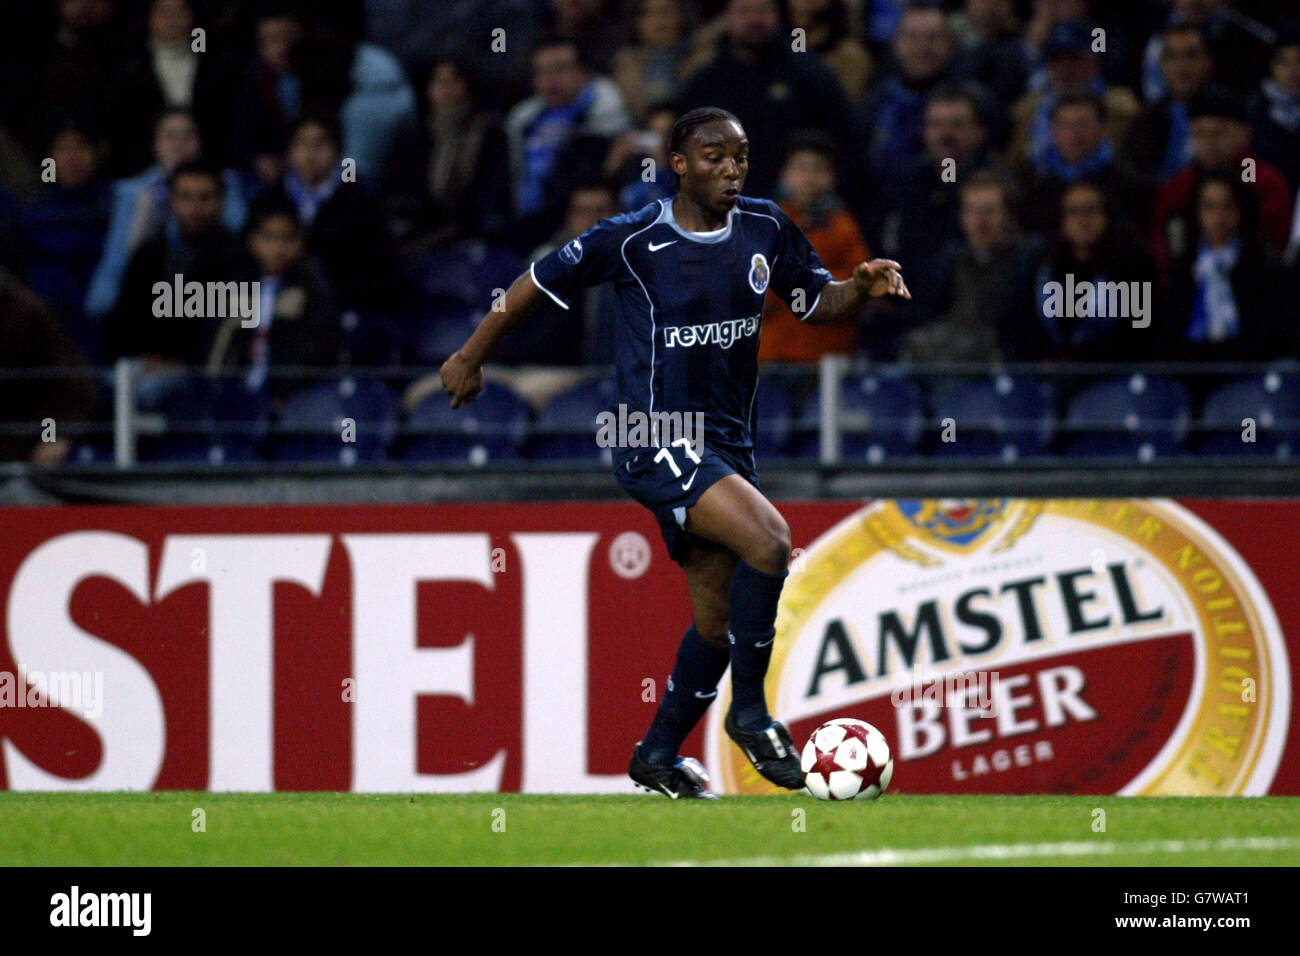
(690, 305)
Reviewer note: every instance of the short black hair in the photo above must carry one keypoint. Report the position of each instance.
(167, 112)
(992, 177)
(1217, 101)
(689, 122)
(1083, 99)
(270, 206)
(198, 167)
(1172, 28)
(84, 126)
(280, 10)
(597, 183)
(960, 93)
(322, 119)
(812, 141)
(553, 39)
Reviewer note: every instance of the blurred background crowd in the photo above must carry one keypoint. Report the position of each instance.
(382, 166)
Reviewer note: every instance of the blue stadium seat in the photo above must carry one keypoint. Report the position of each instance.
(775, 419)
(1270, 401)
(451, 288)
(1141, 416)
(566, 427)
(371, 338)
(434, 334)
(464, 275)
(489, 429)
(1003, 417)
(313, 423)
(211, 421)
(881, 417)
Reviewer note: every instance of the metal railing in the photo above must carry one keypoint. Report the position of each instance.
(829, 408)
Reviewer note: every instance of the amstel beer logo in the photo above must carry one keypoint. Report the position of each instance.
(1018, 646)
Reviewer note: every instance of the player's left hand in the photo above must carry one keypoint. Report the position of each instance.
(881, 277)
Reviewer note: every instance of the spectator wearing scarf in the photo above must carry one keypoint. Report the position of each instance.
(1231, 297)
(558, 136)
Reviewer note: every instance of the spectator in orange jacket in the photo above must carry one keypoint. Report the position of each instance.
(807, 193)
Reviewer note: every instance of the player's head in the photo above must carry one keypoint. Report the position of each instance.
(709, 152)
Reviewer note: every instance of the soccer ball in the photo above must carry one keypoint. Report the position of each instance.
(845, 759)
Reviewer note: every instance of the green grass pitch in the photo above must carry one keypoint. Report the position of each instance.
(128, 829)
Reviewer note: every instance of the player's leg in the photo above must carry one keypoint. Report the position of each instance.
(702, 500)
(702, 656)
(734, 514)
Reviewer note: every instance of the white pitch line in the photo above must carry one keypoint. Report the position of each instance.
(903, 856)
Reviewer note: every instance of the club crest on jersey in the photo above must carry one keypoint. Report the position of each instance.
(572, 252)
(759, 273)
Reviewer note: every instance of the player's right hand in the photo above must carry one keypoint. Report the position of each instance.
(462, 379)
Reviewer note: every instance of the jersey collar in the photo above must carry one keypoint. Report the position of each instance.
(717, 235)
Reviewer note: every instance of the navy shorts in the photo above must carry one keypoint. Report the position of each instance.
(669, 481)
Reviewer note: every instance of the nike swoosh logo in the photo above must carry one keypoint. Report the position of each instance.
(667, 791)
(686, 485)
(765, 643)
(656, 248)
(703, 696)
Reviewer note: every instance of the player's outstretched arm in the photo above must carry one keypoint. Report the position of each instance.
(842, 300)
(462, 374)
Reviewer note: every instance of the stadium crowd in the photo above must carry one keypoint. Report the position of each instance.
(382, 166)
